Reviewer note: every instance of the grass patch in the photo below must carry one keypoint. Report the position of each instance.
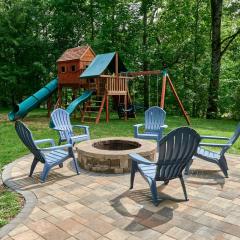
(12, 148)
(10, 205)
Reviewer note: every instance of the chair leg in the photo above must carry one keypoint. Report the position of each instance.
(225, 162)
(186, 171)
(34, 163)
(153, 188)
(184, 188)
(45, 172)
(158, 146)
(166, 182)
(76, 165)
(134, 169)
(223, 168)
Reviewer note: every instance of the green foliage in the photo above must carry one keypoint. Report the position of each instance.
(33, 34)
(10, 205)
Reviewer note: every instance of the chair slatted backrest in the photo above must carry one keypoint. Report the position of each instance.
(154, 118)
(175, 151)
(61, 119)
(232, 140)
(26, 137)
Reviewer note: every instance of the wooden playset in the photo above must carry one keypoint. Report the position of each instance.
(103, 76)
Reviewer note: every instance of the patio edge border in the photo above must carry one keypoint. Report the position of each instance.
(30, 199)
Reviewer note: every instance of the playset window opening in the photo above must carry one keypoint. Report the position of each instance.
(63, 69)
(73, 68)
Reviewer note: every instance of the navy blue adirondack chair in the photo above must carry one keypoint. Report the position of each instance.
(50, 157)
(216, 157)
(61, 121)
(154, 124)
(175, 151)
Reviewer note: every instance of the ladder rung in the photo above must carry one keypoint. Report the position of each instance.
(91, 111)
(90, 117)
(94, 106)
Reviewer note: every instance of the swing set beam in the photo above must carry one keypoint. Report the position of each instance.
(166, 79)
(144, 73)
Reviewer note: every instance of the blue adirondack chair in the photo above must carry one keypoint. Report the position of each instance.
(216, 157)
(61, 121)
(175, 151)
(154, 124)
(50, 157)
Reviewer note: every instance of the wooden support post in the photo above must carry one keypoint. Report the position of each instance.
(59, 96)
(74, 94)
(163, 91)
(49, 105)
(65, 97)
(125, 107)
(101, 108)
(116, 66)
(178, 100)
(107, 108)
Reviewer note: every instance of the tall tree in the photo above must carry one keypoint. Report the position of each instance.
(144, 10)
(217, 52)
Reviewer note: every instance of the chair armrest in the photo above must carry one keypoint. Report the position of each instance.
(79, 138)
(214, 137)
(215, 145)
(138, 125)
(49, 149)
(136, 129)
(45, 141)
(59, 129)
(80, 126)
(139, 159)
(86, 128)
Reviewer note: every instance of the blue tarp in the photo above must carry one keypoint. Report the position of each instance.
(101, 63)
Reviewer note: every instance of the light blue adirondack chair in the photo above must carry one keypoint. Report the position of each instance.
(154, 124)
(216, 157)
(175, 151)
(61, 121)
(50, 157)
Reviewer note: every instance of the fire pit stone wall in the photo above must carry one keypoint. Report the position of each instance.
(93, 157)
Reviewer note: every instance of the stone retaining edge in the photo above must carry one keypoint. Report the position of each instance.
(30, 200)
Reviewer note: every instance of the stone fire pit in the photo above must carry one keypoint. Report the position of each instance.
(110, 155)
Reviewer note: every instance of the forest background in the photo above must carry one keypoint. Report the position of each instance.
(198, 40)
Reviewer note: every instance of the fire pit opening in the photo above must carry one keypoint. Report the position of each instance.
(116, 145)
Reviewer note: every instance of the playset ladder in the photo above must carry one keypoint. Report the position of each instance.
(92, 109)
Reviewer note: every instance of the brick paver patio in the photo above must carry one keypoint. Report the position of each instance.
(100, 206)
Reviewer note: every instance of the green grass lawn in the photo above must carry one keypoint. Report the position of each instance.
(10, 205)
(11, 147)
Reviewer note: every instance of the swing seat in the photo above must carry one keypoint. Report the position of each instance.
(131, 111)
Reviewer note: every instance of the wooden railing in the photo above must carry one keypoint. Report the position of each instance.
(116, 86)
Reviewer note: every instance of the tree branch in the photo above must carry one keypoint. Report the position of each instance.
(230, 39)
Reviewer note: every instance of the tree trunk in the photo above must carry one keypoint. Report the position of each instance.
(195, 53)
(216, 13)
(92, 21)
(144, 54)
